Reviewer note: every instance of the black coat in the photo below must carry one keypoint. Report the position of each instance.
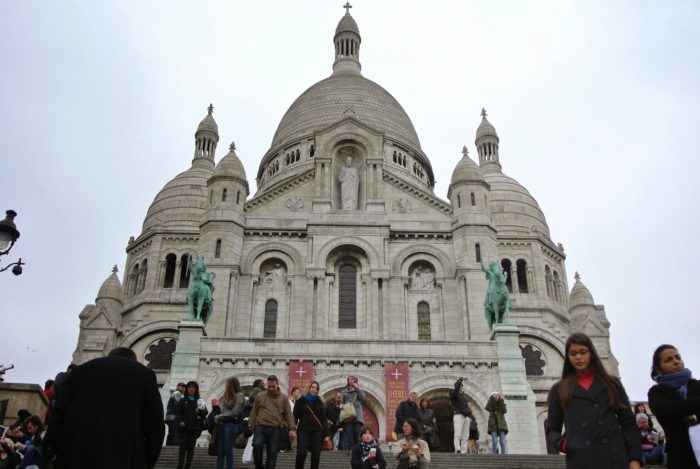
(310, 417)
(356, 458)
(596, 436)
(669, 409)
(194, 418)
(406, 410)
(111, 418)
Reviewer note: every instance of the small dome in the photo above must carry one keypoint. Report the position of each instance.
(230, 165)
(513, 209)
(486, 129)
(580, 295)
(182, 201)
(111, 287)
(347, 24)
(208, 124)
(466, 169)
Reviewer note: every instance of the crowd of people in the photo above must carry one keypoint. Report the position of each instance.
(107, 413)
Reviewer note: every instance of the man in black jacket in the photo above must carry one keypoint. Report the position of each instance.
(461, 416)
(408, 409)
(111, 417)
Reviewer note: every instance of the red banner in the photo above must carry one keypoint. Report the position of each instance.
(300, 374)
(396, 378)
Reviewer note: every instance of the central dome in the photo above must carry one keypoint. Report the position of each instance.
(345, 95)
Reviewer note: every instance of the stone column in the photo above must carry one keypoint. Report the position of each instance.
(185, 366)
(531, 286)
(514, 278)
(523, 430)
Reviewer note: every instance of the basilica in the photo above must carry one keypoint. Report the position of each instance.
(345, 262)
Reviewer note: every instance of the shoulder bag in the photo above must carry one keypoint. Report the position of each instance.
(347, 411)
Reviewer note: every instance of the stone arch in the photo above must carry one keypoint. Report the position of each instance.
(257, 255)
(444, 266)
(431, 382)
(370, 252)
(556, 342)
(340, 138)
(246, 379)
(143, 332)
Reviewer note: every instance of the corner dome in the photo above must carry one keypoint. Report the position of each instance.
(513, 209)
(466, 169)
(111, 287)
(230, 165)
(341, 96)
(182, 201)
(580, 295)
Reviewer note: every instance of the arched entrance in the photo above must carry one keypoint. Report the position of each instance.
(440, 403)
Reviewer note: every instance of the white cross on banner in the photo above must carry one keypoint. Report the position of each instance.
(301, 373)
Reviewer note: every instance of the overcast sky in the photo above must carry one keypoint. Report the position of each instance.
(597, 105)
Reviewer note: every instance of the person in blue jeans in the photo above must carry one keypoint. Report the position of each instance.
(228, 421)
(498, 427)
(352, 394)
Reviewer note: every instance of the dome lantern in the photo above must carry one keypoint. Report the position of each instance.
(206, 137)
(347, 44)
(487, 144)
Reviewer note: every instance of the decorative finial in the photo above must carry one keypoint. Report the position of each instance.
(347, 7)
(577, 277)
(210, 109)
(483, 113)
(232, 146)
(115, 269)
(465, 152)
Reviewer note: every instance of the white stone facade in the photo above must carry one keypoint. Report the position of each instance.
(406, 257)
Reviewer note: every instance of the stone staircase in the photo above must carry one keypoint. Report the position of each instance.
(341, 460)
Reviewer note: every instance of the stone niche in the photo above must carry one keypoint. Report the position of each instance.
(348, 177)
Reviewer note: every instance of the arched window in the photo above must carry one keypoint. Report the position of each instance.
(170, 261)
(473, 200)
(143, 272)
(459, 201)
(423, 321)
(270, 327)
(548, 280)
(133, 286)
(311, 151)
(184, 272)
(223, 195)
(347, 299)
(238, 197)
(217, 249)
(521, 265)
(555, 286)
(477, 248)
(505, 263)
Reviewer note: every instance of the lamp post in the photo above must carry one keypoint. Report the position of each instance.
(8, 235)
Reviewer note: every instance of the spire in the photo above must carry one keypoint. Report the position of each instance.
(347, 44)
(206, 137)
(487, 144)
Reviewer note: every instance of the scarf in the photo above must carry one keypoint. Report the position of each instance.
(678, 381)
(366, 447)
(311, 398)
(191, 398)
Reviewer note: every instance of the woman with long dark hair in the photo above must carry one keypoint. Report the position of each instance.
(675, 400)
(312, 428)
(229, 421)
(191, 418)
(601, 431)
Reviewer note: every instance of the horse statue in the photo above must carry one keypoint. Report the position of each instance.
(201, 290)
(497, 303)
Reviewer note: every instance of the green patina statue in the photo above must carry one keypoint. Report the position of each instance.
(497, 303)
(200, 293)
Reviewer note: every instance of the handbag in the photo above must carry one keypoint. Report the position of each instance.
(241, 441)
(347, 411)
(211, 448)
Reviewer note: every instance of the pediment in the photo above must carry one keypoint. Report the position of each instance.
(417, 194)
(285, 187)
(99, 320)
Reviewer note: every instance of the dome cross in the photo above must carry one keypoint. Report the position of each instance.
(210, 109)
(465, 151)
(483, 113)
(347, 7)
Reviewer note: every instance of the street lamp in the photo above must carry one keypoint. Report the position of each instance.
(8, 235)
